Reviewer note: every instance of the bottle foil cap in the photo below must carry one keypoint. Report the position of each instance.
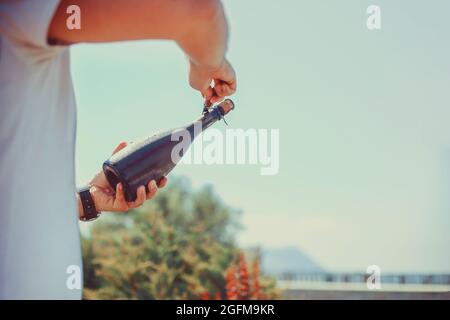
(226, 106)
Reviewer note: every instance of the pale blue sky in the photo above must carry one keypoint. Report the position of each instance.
(363, 117)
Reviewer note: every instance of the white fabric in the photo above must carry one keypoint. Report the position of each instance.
(39, 235)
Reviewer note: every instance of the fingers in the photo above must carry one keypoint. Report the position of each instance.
(219, 92)
(224, 89)
(207, 94)
(139, 199)
(120, 203)
(224, 80)
(152, 189)
(120, 197)
(224, 85)
(121, 145)
(162, 182)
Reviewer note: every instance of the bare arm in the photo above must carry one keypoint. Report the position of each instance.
(198, 26)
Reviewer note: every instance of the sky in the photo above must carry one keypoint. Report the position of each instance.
(363, 115)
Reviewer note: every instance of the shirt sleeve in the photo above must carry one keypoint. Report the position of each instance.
(26, 22)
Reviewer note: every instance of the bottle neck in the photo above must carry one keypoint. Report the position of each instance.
(207, 119)
(204, 122)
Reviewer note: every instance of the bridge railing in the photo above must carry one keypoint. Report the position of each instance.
(362, 278)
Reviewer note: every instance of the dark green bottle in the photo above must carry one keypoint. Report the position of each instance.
(153, 158)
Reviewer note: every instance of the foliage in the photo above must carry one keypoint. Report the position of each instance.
(179, 246)
(243, 286)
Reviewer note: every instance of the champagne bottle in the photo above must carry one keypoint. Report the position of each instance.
(153, 157)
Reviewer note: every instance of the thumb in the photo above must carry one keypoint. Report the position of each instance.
(208, 94)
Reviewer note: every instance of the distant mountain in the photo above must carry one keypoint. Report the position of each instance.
(288, 259)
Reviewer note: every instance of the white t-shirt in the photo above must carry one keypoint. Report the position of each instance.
(39, 235)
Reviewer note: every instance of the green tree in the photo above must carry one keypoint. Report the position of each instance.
(178, 246)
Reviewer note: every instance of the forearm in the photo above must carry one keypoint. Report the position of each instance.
(198, 26)
(206, 41)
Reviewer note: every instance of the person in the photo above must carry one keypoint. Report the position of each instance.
(39, 232)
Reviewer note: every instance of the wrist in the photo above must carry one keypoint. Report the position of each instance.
(86, 204)
(94, 191)
(207, 68)
(80, 207)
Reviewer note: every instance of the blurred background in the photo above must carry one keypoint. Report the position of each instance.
(364, 175)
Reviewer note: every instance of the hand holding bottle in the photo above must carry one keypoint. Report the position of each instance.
(107, 199)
